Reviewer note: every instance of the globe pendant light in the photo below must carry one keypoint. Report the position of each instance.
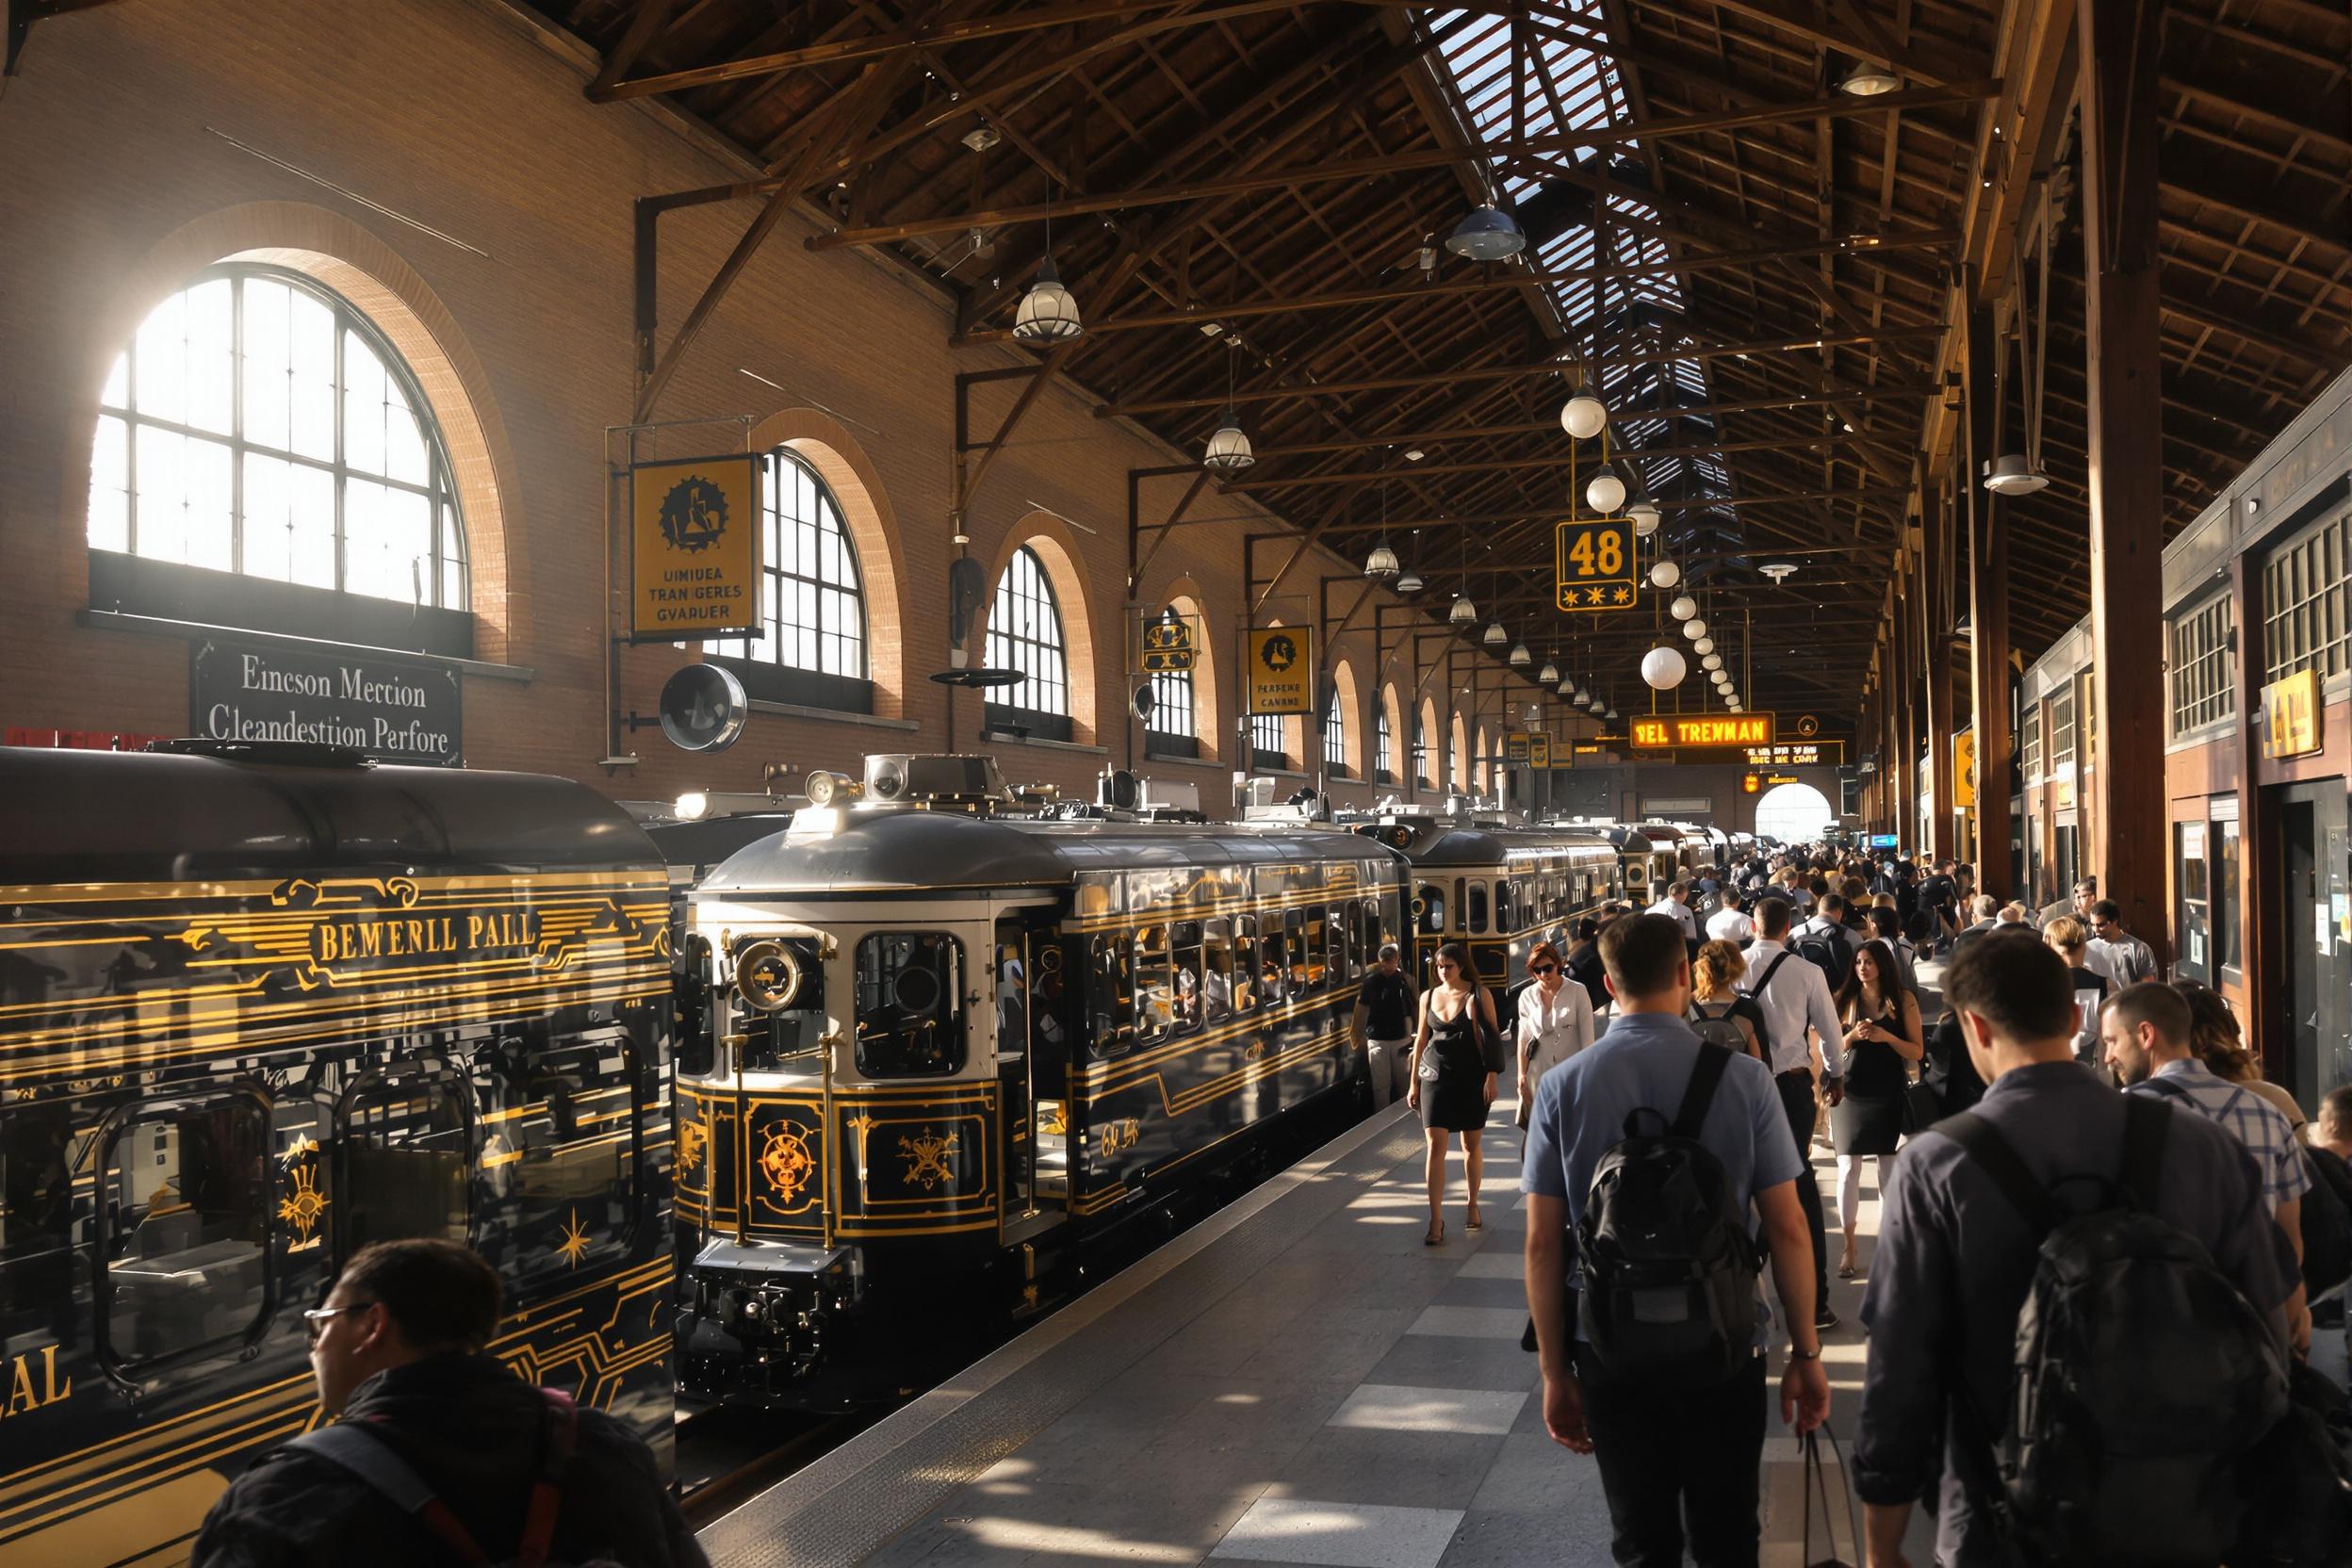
(1520, 657)
(1665, 574)
(1583, 416)
(1713, 662)
(1488, 234)
(1683, 608)
(1605, 492)
(1645, 518)
(1695, 630)
(1662, 668)
(1705, 644)
(1048, 312)
(1549, 674)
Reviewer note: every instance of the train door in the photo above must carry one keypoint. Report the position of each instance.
(1032, 1071)
(2318, 957)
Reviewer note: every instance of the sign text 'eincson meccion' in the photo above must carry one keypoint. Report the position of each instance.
(394, 710)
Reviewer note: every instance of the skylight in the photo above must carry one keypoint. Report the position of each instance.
(1561, 86)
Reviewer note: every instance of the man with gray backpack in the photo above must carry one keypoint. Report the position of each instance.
(1644, 1153)
(2077, 1340)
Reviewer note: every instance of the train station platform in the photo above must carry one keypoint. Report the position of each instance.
(1296, 1379)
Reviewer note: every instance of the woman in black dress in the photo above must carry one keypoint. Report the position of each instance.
(1883, 1039)
(1457, 1059)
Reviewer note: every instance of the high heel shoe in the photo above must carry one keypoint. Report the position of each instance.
(1474, 1220)
(1435, 1235)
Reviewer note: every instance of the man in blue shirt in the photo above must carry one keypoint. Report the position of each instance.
(1666, 1456)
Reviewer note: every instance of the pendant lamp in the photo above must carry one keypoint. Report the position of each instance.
(1583, 416)
(1662, 668)
(1048, 312)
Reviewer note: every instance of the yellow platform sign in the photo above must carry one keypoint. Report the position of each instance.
(1594, 565)
(1516, 746)
(1964, 771)
(694, 548)
(1539, 751)
(1280, 669)
(1674, 731)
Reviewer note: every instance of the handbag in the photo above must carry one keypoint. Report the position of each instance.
(1923, 1107)
(1816, 1472)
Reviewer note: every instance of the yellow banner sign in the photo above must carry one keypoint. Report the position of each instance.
(1964, 770)
(694, 555)
(1594, 564)
(1539, 751)
(1673, 731)
(2292, 707)
(1166, 645)
(1280, 670)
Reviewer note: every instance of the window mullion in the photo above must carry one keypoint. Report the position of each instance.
(236, 424)
(342, 470)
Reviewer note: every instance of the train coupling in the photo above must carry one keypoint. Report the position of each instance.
(758, 1316)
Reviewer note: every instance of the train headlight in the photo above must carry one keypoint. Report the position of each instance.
(692, 806)
(767, 976)
(825, 787)
(751, 1307)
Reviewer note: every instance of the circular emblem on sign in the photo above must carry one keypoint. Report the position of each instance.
(1280, 654)
(784, 1161)
(694, 514)
(1808, 727)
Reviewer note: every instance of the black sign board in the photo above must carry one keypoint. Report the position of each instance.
(395, 709)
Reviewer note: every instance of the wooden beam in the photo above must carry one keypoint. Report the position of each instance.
(1805, 21)
(1935, 503)
(1345, 169)
(1496, 465)
(2119, 44)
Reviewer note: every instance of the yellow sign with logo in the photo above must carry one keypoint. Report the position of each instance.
(1964, 770)
(1594, 564)
(1671, 731)
(694, 548)
(1539, 751)
(2292, 708)
(1168, 644)
(1516, 746)
(1280, 670)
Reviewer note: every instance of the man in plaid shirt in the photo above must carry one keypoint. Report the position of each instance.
(2146, 1029)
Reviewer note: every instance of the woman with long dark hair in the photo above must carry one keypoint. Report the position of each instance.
(1883, 1039)
(1457, 1064)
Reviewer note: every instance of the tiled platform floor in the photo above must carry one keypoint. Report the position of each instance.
(1298, 1381)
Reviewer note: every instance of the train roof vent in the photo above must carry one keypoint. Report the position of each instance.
(283, 754)
(901, 778)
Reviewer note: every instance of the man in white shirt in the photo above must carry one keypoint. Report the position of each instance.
(1793, 996)
(1675, 906)
(1730, 923)
(2121, 957)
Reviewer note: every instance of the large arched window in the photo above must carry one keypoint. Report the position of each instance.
(1269, 748)
(1173, 729)
(1794, 813)
(1025, 634)
(1335, 736)
(1383, 747)
(810, 647)
(1422, 778)
(259, 425)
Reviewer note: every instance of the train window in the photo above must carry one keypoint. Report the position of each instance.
(911, 1005)
(1217, 974)
(787, 1034)
(1273, 969)
(1347, 931)
(1245, 984)
(1372, 933)
(1476, 908)
(1110, 998)
(1506, 905)
(185, 1192)
(1430, 906)
(1189, 964)
(42, 1146)
(1310, 949)
(1156, 990)
(403, 1160)
(559, 1152)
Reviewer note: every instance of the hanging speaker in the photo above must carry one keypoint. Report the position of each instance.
(703, 709)
(1146, 702)
(966, 581)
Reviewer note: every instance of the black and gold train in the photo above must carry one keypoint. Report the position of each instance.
(928, 1049)
(1497, 888)
(259, 1005)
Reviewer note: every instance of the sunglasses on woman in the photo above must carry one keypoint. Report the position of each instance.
(1542, 968)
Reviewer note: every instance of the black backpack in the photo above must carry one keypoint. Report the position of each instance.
(1826, 951)
(2326, 1222)
(1666, 1264)
(1721, 1029)
(2141, 1378)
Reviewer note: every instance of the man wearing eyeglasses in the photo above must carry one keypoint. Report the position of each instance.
(398, 1350)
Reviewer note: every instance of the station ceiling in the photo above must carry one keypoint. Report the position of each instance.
(1762, 269)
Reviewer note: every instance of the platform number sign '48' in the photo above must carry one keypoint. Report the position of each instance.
(1594, 565)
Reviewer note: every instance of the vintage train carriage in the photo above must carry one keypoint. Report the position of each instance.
(928, 1049)
(1645, 865)
(264, 1005)
(1497, 890)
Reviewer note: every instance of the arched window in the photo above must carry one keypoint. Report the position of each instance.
(1173, 729)
(1421, 752)
(1025, 634)
(1335, 736)
(1268, 746)
(810, 647)
(1383, 761)
(1794, 813)
(259, 425)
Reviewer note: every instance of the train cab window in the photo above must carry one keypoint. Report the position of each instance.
(1475, 907)
(1431, 908)
(1190, 964)
(1110, 997)
(1155, 987)
(404, 1161)
(911, 1005)
(786, 1038)
(185, 1194)
(560, 1148)
(1217, 975)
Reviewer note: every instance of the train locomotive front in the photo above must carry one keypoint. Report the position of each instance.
(930, 1050)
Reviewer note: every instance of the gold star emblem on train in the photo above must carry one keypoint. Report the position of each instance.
(304, 1207)
(784, 1161)
(927, 1160)
(691, 1138)
(575, 1243)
